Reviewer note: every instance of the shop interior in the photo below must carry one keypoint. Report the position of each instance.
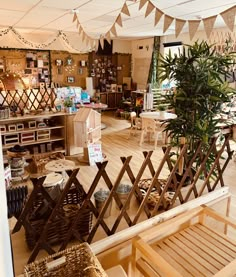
(118, 138)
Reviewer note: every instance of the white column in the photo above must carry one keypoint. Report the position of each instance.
(6, 268)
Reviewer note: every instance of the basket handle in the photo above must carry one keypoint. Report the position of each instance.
(55, 263)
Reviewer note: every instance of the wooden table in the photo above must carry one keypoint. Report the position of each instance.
(158, 115)
(186, 245)
(60, 165)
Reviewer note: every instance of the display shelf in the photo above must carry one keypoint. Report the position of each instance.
(29, 156)
(31, 117)
(36, 140)
(112, 99)
(52, 139)
(26, 130)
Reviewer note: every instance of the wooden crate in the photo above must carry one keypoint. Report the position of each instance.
(3, 128)
(20, 126)
(186, 246)
(27, 137)
(43, 134)
(11, 127)
(32, 124)
(11, 139)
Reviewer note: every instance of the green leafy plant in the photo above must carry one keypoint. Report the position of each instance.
(199, 74)
(161, 107)
(68, 102)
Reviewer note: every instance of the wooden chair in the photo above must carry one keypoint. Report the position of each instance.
(135, 123)
(151, 127)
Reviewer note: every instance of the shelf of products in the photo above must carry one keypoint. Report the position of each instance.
(109, 69)
(38, 133)
(112, 99)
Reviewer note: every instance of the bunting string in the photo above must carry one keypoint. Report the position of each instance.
(29, 44)
(208, 22)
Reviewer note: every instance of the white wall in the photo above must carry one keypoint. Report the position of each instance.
(122, 46)
(141, 59)
(217, 36)
(6, 269)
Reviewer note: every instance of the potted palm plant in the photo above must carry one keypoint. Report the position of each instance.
(199, 74)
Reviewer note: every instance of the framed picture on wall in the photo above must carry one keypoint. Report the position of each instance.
(69, 61)
(70, 79)
(80, 71)
(59, 70)
(83, 63)
(58, 62)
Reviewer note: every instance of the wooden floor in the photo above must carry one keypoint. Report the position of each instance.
(116, 143)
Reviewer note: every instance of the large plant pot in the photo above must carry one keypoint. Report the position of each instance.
(188, 179)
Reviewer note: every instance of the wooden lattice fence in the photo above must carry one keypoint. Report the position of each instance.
(204, 179)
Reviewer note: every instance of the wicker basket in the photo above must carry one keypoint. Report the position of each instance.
(77, 261)
(40, 160)
(58, 228)
(154, 196)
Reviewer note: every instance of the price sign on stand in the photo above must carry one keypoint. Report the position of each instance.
(95, 153)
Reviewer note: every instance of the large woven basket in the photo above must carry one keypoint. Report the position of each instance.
(58, 228)
(154, 196)
(77, 261)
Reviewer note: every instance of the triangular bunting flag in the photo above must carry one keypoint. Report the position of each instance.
(101, 40)
(158, 15)
(96, 45)
(193, 25)
(125, 9)
(74, 17)
(150, 8)
(229, 17)
(142, 3)
(80, 29)
(113, 30)
(119, 20)
(93, 44)
(77, 24)
(167, 21)
(179, 24)
(83, 36)
(87, 40)
(108, 37)
(209, 24)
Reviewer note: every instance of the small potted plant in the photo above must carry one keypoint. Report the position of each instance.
(161, 108)
(68, 104)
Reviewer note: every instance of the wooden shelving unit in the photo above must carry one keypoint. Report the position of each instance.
(51, 136)
(112, 99)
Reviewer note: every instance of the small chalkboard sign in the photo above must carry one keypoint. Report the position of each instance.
(95, 153)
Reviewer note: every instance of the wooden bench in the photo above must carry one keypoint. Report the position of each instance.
(186, 245)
